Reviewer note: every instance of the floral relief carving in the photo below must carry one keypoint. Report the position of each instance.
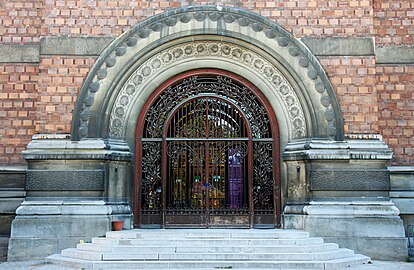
(134, 84)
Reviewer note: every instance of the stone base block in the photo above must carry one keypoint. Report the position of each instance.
(4, 241)
(373, 229)
(44, 228)
(21, 249)
(385, 249)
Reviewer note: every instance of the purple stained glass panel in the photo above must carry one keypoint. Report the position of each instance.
(236, 174)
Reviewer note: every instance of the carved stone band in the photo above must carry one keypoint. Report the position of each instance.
(205, 49)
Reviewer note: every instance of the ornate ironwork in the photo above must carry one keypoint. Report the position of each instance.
(173, 210)
(262, 176)
(207, 151)
(215, 85)
(196, 156)
(230, 211)
(151, 175)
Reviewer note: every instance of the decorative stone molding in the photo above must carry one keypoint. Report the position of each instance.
(60, 147)
(213, 21)
(341, 179)
(203, 49)
(65, 180)
(313, 149)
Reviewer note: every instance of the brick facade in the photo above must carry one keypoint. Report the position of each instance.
(40, 97)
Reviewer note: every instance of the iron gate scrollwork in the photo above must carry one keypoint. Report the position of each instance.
(151, 177)
(207, 156)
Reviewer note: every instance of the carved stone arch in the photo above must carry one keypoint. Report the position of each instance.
(178, 40)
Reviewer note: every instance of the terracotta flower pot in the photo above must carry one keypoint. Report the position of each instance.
(117, 225)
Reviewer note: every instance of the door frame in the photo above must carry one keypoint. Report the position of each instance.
(274, 131)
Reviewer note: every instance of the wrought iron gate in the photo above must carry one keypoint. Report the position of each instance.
(207, 156)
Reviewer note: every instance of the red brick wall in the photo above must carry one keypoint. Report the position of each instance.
(18, 97)
(20, 21)
(395, 86)
(353, 78)
(372, 97)
(60, 79)
(394, 26)
(394, 22)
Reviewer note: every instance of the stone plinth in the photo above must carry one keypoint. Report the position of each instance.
(372, 228)
(44, 227)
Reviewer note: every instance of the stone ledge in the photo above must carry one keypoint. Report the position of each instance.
(60, 147)
(394, 54)
(365, 149)
(66, 45)
(94, 45)
(19, 53)
(340, 46)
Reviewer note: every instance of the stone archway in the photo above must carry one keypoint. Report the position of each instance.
(280, 66)
(133, 65)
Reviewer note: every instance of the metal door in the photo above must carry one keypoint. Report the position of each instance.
(206, 155)
(207, 159)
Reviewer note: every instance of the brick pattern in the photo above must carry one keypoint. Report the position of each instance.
(18, 96)
(353, 79)
(23, 21)
(394, 22)
(20, 21)
(41, 98)
(60, 80)
(395, 86)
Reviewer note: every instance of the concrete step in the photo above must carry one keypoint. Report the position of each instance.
(208, 241)
(209, 234)
(193, 264)
(154, 255)
(205, 249)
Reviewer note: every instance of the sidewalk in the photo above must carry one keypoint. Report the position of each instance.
(41, 265)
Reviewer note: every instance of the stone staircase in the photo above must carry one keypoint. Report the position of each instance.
(208, 249)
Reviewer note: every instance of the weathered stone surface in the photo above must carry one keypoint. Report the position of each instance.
(357, 225)
(318, 149)
(5, 224)
(349, 179)
(9, 205)
(45, 146)
(227, 25)
(4, 243)
(64, 45)
(394, 55)
(19, 53)
(405, 205)
(375, 247)
(72, 179)
(340, 46)
(402, 178)
(12, 177)
(49, 226)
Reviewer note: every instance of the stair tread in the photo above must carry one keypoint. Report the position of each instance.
(129, 251)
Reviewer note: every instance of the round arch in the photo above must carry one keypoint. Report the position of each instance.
(135, 63)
